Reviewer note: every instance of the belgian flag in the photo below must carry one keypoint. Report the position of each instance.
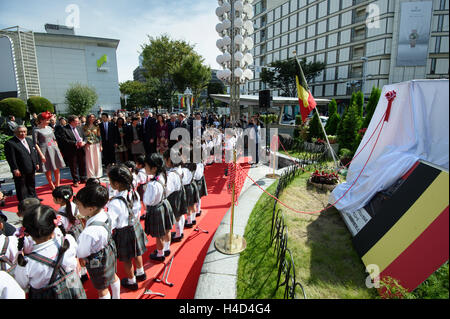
(182, 102)
(305, 98)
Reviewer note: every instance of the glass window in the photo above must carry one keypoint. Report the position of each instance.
(311, 30)
(321, 43)
(302, 17)
(276, 56)
(323, 8)
(277, 29)
(318, 89)
(301, 34)
(330, 73)
(293, 5)
(283, 54)
(301, 49)
(270, 32)
(334, 6)
(284, 40)
(285, 10)
(322, 27)
(269, 58)
(312, 13)
(320, 57)
(285, 25)
(332, 40)
(331, 57)
(277, 13)
(270, 45)
(291, 51)
(292, 37)
(276, 43)
(310, 46)
(270, 16)
(301, 3)
(293, 21)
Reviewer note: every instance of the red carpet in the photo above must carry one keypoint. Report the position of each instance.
(189, 253)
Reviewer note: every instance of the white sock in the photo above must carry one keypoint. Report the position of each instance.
(181, 222)
(177, 228)
(199, 205)
(189, 218)
(160, 253)
(107, 296)
(167, 245)
(83, 271)
(132, 280)
(115, 289)
(140, 271)
(193, 216)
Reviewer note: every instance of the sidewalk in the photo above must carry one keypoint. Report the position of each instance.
(218, 276)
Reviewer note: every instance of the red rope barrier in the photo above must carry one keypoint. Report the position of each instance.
(331, 205)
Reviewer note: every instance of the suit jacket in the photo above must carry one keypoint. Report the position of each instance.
(112, 137)
(129, 133)
(149, 129)
(18, 157)
(69, 140)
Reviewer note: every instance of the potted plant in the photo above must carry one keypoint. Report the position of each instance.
(324, 180)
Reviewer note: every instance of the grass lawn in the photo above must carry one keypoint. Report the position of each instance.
(326, 263)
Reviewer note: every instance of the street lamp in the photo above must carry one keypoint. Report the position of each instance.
(235, 44)
(188, 94)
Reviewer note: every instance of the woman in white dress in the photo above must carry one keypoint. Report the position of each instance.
(93, 148)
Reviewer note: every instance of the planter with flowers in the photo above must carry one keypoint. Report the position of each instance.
(324, 180)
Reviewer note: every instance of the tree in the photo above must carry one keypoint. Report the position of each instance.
(333, 118)
(13, 106)
(80, 99)
(38, 104)
(371, 105)
(283, 75)
(215, 88)
(160, 56)
(191, 72)
(140, 94)
(315, 129)
(348, 127)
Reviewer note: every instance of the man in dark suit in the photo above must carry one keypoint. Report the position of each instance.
(172, 124)
(23, 161)
(74, 141)
(149, 128)
(109, 140)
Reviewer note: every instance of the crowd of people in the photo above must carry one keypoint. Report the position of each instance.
(54, 252)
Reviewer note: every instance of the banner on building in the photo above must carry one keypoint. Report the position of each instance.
(414, 33)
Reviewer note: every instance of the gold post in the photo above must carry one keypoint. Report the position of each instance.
(231, 244)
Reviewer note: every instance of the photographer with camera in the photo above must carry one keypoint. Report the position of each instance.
(22, 158)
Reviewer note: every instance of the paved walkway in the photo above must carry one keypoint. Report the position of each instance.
(218, 277)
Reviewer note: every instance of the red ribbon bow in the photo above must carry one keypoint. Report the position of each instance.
(390, 96)
(21, 232)
(57, 220)
(46, 115)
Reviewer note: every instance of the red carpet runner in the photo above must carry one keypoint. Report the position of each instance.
(189, 253)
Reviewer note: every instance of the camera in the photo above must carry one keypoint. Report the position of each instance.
(5, 194)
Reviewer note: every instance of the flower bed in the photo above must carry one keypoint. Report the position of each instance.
(323, 180)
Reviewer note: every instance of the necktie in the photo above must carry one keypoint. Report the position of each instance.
(26, 145)
(106, 130)
(75, 132)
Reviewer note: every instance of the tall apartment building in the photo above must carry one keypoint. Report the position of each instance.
(358, 40)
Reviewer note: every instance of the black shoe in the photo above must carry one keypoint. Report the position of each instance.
(199, 213)
(194, 222)
(176, 239)
(186, 225)
(84, 278)
(142, 217)
(140, 277)
(167, 253)
(124, 283)
(40, 199)
(154, 256)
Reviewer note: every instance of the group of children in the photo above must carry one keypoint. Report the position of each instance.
(53, 252)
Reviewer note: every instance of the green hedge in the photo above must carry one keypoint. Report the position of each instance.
(38, 104)
(13, 106)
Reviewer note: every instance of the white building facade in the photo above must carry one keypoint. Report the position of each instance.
(357, 40)
(67, 59)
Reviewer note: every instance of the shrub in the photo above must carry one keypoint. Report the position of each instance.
(3, 139)
(315, 129)
(13, 106)
(332, 123)
(38, 104)
(345, 153)
(371, 106)
(348, 127)
(80, 99)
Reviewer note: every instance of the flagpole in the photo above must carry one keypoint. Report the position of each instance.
(321, 125)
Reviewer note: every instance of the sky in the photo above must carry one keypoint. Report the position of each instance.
(130, 21)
